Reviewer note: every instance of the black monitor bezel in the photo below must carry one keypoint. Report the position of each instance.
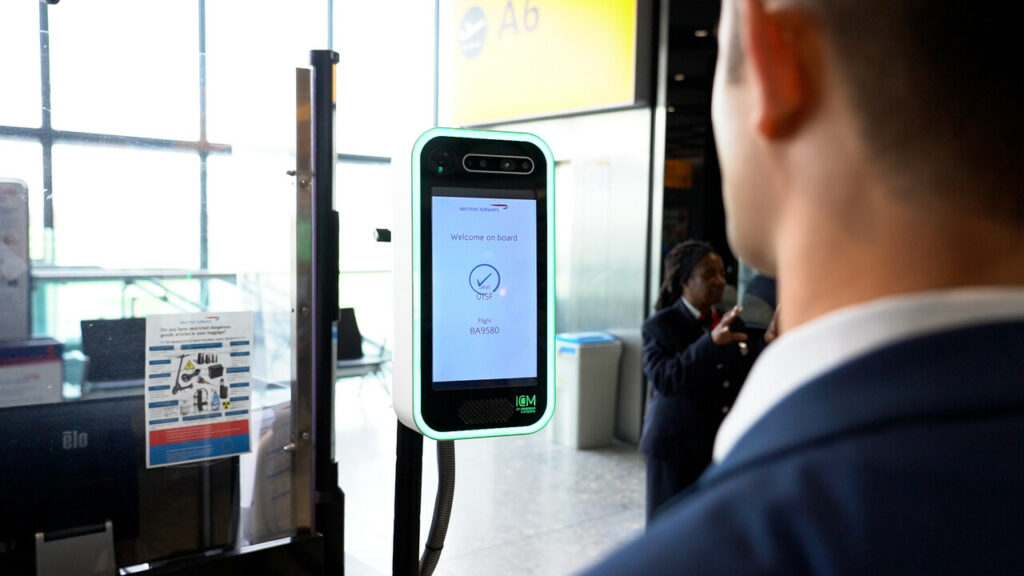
(440, 407)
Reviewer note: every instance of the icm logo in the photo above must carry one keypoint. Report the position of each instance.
(73, 440)
(472, 32)
(526, 404)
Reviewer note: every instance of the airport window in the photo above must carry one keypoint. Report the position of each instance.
(151, 199)
(363, 200)
(173, 125)
(19, 34)
(385, 75)
(155, 142)
(250, 68)
(385, 84)
(130, 80)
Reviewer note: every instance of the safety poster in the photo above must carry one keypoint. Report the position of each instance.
(198, 386)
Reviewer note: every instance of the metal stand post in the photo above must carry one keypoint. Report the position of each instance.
(408, 487)
(329, 502)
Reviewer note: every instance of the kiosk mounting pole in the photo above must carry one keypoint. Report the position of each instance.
(408, 487)
(329, 499)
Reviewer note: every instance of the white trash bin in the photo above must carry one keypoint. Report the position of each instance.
(586, 381)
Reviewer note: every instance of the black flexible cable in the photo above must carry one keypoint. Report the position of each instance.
(442, 507)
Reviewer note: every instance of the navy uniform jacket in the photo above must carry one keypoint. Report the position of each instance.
(909, 460)
(693, 381)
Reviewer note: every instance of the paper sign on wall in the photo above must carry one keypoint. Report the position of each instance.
(198, 386)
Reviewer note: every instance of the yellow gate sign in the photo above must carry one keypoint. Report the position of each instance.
(514, 59)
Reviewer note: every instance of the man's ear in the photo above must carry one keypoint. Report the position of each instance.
(782, 63)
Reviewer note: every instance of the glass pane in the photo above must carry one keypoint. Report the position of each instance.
(100, 406)
(132, 224)
(125, 67)
(363, 200)
(245, 188)
(250, 79)
(23, 160)
(74, 301)
(371, 295)
(19, 67)
(125, 208)
(385, 81)
(249, 196)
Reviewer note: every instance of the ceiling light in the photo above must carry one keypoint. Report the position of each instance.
(671, 108)
(680, 77)
(700, 33)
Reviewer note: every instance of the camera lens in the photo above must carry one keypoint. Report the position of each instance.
(506, 164)
(483, 162)
(526, 165)
(442, 162)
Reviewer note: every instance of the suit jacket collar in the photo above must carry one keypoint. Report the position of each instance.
(684, 313)
(689, 308)
(956, 374)
(680, 306)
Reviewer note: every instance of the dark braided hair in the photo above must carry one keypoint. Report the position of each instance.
(679, 263)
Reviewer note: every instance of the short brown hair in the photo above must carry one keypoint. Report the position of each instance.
(937, 92)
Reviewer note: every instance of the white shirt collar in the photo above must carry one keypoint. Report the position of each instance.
(800, 355)
(693, 309)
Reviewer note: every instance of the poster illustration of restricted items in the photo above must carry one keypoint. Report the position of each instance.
(198, 386)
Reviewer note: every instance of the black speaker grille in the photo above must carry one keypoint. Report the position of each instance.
(489, 411)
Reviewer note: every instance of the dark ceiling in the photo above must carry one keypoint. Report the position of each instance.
(691, 67)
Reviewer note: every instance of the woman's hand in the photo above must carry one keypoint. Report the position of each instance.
(773, 328)
(722, 335)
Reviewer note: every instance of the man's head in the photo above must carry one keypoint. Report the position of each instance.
(915, 98)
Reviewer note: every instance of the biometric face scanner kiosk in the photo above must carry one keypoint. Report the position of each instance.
(474, 310)
(474, 352)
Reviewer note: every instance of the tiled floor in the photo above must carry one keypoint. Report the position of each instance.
(524, 506)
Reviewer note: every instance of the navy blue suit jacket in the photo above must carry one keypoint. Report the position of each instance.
(909, 460)
(693, 384)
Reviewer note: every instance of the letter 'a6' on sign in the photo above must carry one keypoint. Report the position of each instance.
(475, 304)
